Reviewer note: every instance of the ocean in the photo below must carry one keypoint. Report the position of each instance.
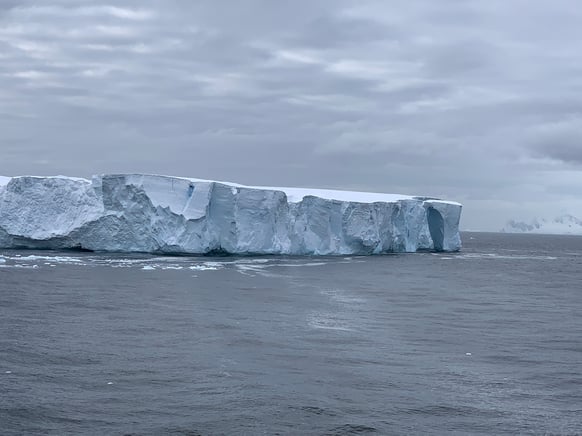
(485, 341)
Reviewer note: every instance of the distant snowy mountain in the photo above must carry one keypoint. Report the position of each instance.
(562, 225)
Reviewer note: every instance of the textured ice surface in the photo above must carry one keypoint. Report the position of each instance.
(147, 213)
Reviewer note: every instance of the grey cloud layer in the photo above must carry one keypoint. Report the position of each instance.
(477, 101)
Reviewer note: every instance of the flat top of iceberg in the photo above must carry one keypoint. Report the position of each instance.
(4, 180)
(294, 195)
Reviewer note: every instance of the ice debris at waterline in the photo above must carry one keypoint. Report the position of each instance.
(160, 214)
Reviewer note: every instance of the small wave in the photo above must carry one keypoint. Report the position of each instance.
(203, 268)
(58, 259)
(326, 321)
(316, 410)
(352, 429)
(251, 266)
(343, 297)
(252, 261)
(47, 260)
(503, 256)
(442, 410)
(302, 264)
(19, 266)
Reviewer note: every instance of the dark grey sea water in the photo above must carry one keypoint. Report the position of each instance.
(486, 341)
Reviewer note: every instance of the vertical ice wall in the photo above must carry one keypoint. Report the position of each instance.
(144, 213)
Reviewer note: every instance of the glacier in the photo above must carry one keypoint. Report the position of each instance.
(174, 215)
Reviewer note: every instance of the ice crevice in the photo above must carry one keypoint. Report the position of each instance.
(162, 214)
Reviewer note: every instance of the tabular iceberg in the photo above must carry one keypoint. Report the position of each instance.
(161, 214)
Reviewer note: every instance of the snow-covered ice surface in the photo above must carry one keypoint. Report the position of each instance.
(161, 214)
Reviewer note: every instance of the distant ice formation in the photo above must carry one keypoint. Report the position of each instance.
(562, 225)
(161, 214)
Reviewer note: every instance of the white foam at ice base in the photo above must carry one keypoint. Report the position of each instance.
(247, 266)
(4, 265)
(215, 264)
(251, 267)
(162, 263)
(301, 264)
(203, 268)
(162, 267)
(58, 259)
(254, 260)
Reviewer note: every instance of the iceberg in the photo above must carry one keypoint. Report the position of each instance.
(174, 215)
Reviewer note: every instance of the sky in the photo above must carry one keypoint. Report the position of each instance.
(474, 101)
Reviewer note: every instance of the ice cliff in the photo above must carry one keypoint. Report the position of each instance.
(147, 213)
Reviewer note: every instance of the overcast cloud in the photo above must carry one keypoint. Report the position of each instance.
(476, 101)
